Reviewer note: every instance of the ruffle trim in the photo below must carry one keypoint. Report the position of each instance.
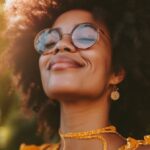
(42, 147)
(132, 144)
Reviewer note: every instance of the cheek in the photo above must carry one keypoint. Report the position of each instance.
(98, 71)
(43, 61)
(102, 61)
(99, 62)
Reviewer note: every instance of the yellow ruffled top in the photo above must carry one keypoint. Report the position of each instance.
(132, 144)
(42, 147)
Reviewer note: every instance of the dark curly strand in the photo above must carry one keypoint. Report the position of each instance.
(129, 24)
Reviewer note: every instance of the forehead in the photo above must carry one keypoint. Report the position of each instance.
(71, 18)
(68, 20)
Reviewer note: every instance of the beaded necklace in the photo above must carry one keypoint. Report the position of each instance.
(93, 134)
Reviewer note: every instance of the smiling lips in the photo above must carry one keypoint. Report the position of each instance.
(64, 62)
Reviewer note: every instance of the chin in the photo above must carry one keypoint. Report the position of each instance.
(70, 94)
(61, 92)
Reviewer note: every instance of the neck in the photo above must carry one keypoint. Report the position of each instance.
(84, 115)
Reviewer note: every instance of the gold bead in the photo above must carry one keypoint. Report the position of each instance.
(115, 95)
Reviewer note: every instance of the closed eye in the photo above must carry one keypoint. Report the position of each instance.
(86, 40)
(49, 45)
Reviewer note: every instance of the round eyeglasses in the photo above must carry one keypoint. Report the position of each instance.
(83, 36)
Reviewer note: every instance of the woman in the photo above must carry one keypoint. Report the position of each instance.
(85, 51)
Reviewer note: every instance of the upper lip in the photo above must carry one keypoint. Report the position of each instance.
(65, 59)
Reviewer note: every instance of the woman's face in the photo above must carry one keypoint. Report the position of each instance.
(76, 73)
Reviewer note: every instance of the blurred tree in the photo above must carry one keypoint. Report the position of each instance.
(2, 26)
(14, 127)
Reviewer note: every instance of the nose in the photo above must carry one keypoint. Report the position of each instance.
(64, 44)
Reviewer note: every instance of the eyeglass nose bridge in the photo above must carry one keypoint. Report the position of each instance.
(66, 34)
